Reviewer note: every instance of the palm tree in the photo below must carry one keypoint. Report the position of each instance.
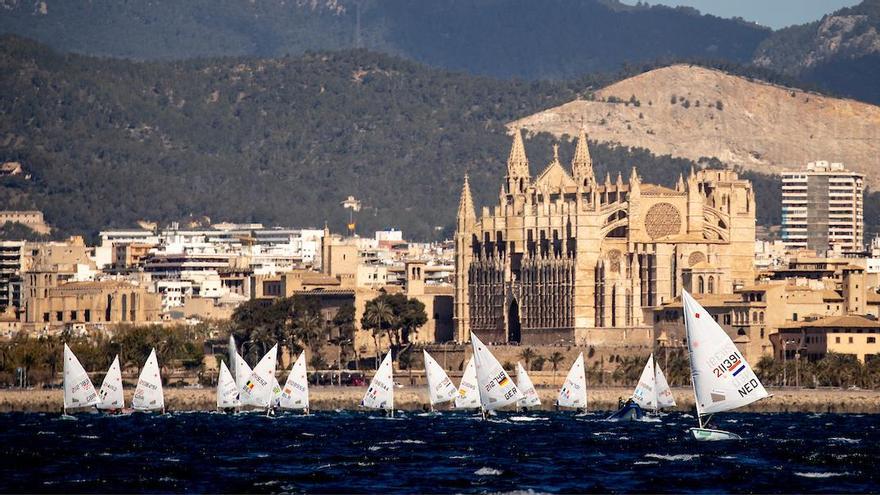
(309, 327)
(555, 359)
(527, 355)
(378, 317)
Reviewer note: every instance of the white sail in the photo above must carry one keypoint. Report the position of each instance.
(242, 371)
(496, 388)
(380, 394)
(232, 353)
(468, 395)
(227, 390)
(275, 401)
(574, 391)
(524, 383)
(257, 388)
(111, 388)
(295, 394)
(148, 395)
(664, 393)
(78, 388)
(645, 393)
(440, 387)
(722, 378)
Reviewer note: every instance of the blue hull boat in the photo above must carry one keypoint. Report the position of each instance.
(629, 412)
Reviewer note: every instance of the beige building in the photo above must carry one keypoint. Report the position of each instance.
(89, 303)
(563, 253)
(851, 335)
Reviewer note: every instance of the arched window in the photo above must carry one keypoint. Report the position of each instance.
(741, 331)
(761, 317)
(711, 284)
(701, 287)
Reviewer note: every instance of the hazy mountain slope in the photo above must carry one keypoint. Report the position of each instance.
(693, 112)
(283, 141)
(840, 52)
(524, 38)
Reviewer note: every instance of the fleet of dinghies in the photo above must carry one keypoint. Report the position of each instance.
(722, 380)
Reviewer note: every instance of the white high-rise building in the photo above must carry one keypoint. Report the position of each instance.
(822, 208)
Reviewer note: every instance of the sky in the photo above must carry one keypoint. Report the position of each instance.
(773, 13)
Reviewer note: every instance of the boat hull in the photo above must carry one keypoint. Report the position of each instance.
(629, 412)
(708, 435)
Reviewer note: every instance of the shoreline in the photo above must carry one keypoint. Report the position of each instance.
(328, 398)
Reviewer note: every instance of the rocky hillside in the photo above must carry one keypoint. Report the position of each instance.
(840, 52)
(694, 112)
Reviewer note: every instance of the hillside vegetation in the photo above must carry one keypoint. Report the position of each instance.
(502, 38)
(279, 141)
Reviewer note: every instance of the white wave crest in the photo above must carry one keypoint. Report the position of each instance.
(819, 475)
(675, 457)
(487, 471)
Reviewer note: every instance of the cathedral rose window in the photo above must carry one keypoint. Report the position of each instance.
(663, 219)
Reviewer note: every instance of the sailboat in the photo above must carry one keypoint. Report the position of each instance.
(496, 388)
(721, 377)
(524, 383)
(257, 390)
(78, 389)
(380, 393)
(111, 389)
(295, 394)
(574, 390)
(148, 394)
(227, 391)
(653, 392)
(440, 387)
(468, 396)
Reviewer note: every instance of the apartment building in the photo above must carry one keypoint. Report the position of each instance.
(822, 208)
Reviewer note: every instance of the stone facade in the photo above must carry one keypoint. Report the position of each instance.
(563, 253)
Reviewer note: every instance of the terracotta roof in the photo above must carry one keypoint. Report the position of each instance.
(849, 321)
(831, 295)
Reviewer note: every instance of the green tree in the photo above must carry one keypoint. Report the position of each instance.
(527, 354)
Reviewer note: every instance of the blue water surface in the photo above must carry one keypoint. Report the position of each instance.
(333, 452)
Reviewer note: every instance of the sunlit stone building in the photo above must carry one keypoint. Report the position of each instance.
(562, 254)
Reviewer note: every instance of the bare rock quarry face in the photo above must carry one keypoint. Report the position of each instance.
(693, 112)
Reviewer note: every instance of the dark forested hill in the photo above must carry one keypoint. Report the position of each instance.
(279, 141)
(840, 52)
(523, 38)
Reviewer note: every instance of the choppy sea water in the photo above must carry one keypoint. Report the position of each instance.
(332, 452)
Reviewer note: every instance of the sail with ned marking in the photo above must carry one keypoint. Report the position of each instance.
(722, 378)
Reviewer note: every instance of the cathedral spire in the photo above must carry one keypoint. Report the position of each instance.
(582, 163)
(465, 204)
(517, 162)
(679, 186)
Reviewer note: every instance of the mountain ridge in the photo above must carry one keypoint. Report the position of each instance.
(694, 112)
